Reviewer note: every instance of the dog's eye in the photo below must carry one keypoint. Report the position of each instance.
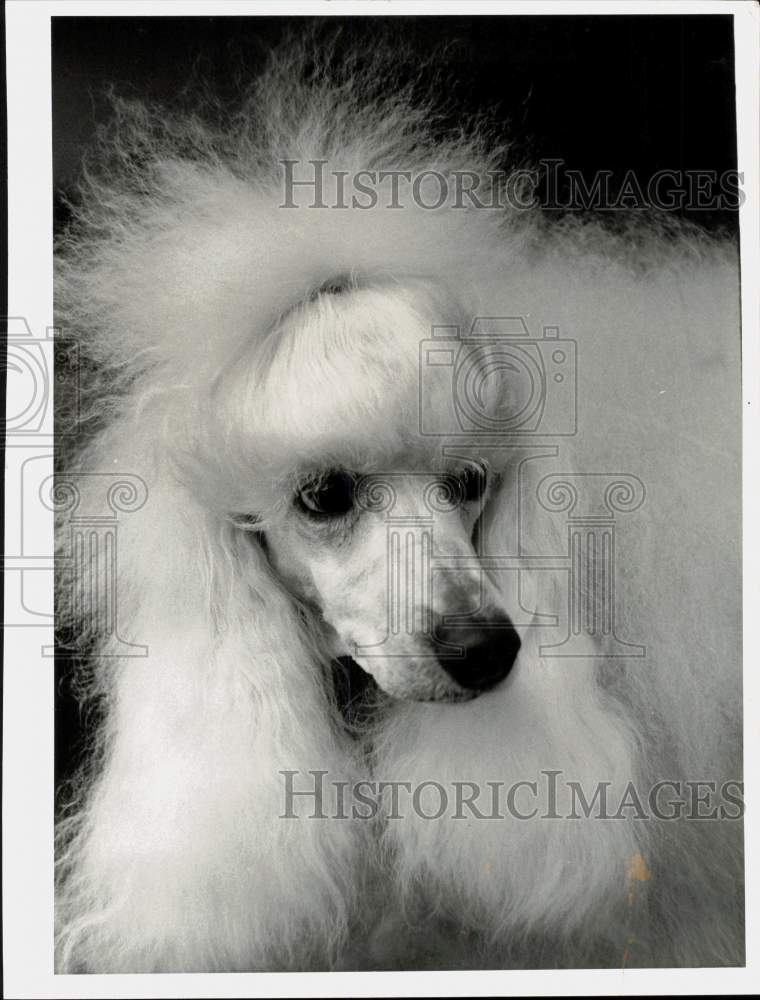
(328, 496)
(473, 482)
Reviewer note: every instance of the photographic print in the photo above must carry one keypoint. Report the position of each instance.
(396, 471)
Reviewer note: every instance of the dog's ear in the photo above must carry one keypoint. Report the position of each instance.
(177, 856)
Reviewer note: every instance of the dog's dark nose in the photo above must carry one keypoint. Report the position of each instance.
(482, 650)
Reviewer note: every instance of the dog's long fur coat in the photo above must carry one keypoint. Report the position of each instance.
(176, 277)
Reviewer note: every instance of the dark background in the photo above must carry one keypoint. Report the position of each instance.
(600, 92)
(624, 92)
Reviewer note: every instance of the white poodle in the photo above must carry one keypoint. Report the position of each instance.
(344, 574)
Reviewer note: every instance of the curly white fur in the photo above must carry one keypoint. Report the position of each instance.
(219, 377)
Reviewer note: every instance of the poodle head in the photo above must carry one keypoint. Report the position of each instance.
(367, 512)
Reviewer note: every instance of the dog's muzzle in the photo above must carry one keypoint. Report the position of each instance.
(482, 651)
